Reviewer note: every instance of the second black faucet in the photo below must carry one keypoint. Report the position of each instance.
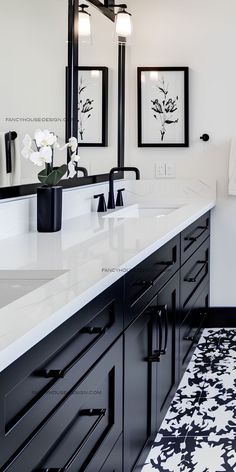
(111, 198)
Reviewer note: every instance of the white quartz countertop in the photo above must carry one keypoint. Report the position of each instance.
(86, 257)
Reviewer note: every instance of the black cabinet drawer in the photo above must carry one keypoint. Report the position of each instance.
(29, 388)
(147, 278)
(194, 275)
(88, 421)
(191, 328)
(193, 236)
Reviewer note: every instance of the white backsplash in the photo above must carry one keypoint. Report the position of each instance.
(18, 216)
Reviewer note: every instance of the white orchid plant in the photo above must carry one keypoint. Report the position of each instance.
(40, 151)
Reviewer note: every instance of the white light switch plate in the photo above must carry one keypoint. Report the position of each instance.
(170, 170)
(160, 170)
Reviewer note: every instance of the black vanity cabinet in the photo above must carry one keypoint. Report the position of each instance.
(61, 402)
(91, 396)
(150, 370)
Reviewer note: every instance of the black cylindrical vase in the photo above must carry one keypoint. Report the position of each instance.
(49, 209)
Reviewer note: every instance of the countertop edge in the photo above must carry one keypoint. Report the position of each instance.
(32, 337)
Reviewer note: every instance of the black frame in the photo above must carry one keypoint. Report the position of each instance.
(186, 106)
(71, 90)
(104, 140)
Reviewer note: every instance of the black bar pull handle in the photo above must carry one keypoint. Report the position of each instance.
(94, 330)
(93, 412)
(195, 277)
(167, 264)
(51, 470)
(51, 373)
(100, 413)
(159, 276)
(195, 238)
(193, 338)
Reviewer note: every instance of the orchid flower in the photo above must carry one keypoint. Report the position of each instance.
(72, 145)
(41, 157)
(40, 151)
(72, 170)
(44, 138)
(27, 149)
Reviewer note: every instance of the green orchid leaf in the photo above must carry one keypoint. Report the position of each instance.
(53, 178)
(42, 176)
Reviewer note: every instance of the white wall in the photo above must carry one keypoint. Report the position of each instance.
(200, 34)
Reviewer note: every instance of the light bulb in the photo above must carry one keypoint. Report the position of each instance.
(124, 25)
(84, 25)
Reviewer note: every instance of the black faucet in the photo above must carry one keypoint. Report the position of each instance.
(83, 170)
(111, 199)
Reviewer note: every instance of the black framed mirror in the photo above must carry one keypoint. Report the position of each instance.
(103, 53)
(64, 36)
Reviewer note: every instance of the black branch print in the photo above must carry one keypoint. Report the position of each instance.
(164, 107)
(85, 108)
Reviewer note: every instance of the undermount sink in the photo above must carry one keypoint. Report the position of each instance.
(141, 211)
(15, 284)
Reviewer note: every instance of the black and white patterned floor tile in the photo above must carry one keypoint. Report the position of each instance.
(198, 433)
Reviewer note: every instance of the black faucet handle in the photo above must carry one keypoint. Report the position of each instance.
(101, 203)
(119, 200)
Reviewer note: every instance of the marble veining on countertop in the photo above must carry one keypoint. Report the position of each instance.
(90, 253)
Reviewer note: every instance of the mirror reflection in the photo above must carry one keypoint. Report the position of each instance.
(98, 91)
(34, 55)
(33, 50)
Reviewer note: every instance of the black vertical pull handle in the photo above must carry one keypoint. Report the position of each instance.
(9, 137)
(164, 311)
(155, 357)
(160, 332)
(8, 153)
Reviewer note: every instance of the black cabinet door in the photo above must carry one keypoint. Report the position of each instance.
(167, 368)
(114, 461)
(139, 385)
(191, 328)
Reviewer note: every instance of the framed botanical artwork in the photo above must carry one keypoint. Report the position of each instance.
(163, 107)
(93, 106)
